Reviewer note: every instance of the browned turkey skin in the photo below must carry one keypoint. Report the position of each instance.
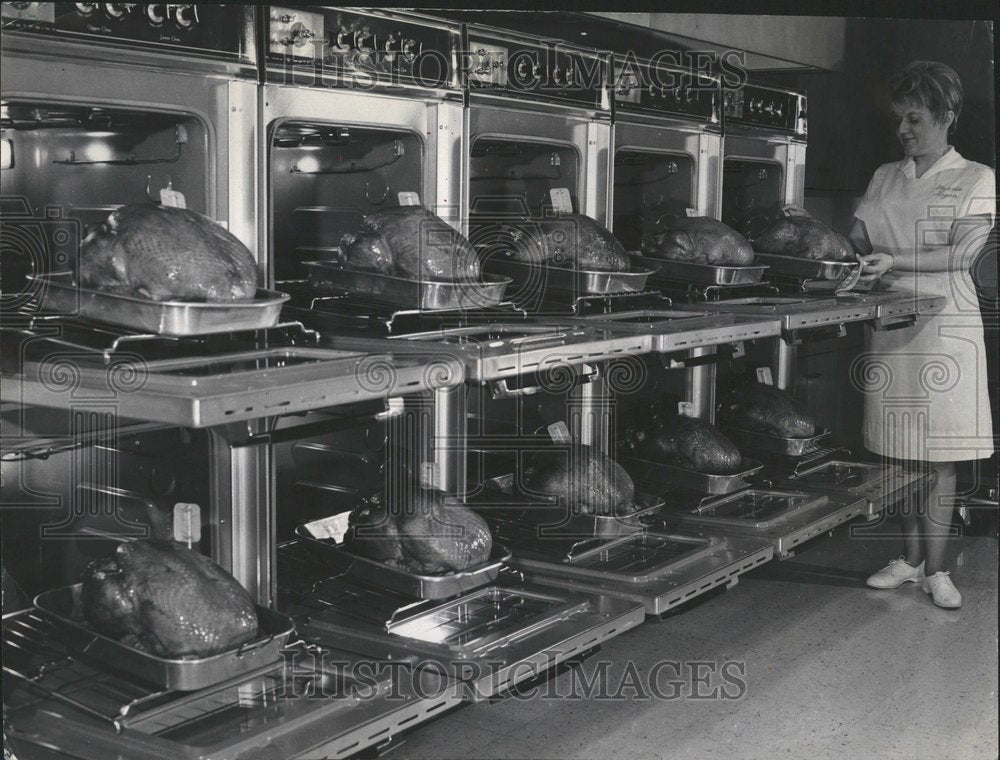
(165, 253)
(162, 598)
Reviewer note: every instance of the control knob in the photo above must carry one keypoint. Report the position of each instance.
(85, 9)
(340, 41)
(528, 72)
(409, 48)
(556, 74)
(156, 13)
(117, 10)
(186, 16)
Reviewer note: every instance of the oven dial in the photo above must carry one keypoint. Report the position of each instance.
(185, 16)
(409, 48)
(85, 9)
(117, 10)
(365, 42)
(556, 74)
(340, 40)
(156, 14)
(569, 76)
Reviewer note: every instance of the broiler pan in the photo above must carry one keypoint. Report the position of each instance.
(754, 441)
(411, 584)
(536, 277)
(807, 269)
(661, 475)
(329, 277)
(64, 606)
(173, 318)
(703, 274)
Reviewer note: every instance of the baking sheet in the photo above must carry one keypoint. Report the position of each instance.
(64, 606)
(807, 269)
(174, 318)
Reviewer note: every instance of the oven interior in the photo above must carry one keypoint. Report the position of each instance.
(325, 177)
(649, 185)
(752, 194)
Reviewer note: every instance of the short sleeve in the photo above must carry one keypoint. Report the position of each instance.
(866, 209)
(982, 197)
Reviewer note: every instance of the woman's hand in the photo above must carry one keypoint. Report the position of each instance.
(874, 265)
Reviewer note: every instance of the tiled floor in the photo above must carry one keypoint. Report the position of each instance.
(831, 670)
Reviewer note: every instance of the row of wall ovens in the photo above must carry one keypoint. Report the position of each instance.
(291, 142)
(279, 433)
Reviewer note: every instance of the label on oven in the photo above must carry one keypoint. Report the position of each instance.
(333, 527)
(764, 376)
(562, 201)
(408, 198)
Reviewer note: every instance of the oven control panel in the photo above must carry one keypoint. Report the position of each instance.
(221, 31)
(766, 107)
(639, 85)
(533, 68)
(352, 48)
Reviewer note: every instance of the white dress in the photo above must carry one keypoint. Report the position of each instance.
(925, 388)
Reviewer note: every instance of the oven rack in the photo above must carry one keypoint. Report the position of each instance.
(34, 653)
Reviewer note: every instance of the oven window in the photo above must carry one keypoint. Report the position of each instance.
(510, 177)
(325, 178)
(648, 186)
(752, 194)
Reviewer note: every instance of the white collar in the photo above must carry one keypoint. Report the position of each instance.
(950, 159)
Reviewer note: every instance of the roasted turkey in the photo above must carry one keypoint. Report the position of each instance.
(588, 482)
(165, 599)
(426, 533)
(804, 238)
(699, 240)
(685, 442)
(410, 242)
(570, 241)
(766, 409)
(164, 253)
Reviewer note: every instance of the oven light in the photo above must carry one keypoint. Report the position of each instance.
(6, 154)
(307, 165)
(101, 134)
(98, 151)
(311, 147)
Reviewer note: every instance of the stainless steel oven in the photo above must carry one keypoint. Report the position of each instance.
(764, 152)
(105, 105)
(667, 146)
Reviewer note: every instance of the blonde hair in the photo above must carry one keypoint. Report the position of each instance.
(931, 84)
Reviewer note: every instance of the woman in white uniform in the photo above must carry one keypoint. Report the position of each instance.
(924, 220)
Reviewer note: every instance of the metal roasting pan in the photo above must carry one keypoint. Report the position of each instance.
(663, 475)
(753, 441)
(413, 585)
(173, 318)
(530, 277)
(703, 274)
(807, 269)
(64, 606)
(551, 518)
(330, 277)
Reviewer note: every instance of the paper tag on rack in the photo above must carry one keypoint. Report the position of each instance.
(187, 523)
(739, 350)
(691, 212)
(559, 432)
(764, 376)
(562, 201)
(172, 198)
(333, 527)
(685, 408)
(408, 198)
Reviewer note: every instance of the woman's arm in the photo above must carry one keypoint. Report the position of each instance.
(965, 240)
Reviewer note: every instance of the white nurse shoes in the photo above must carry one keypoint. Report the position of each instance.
(942, 590)
(896, 573)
